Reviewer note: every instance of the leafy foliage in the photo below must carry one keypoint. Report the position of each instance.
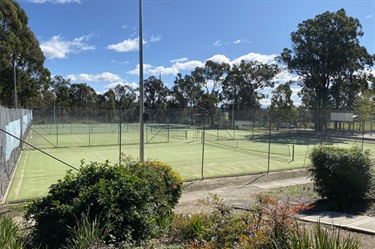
(10, 235)
(341, 175)
(133, 201)
(268, 224)
(327, 56)
(20, 52)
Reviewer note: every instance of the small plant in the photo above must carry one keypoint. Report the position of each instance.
(319, 237)
(87, 233)
(341, 175)
(10, 235)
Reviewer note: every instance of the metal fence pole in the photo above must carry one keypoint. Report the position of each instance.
(269, 144)
(203, 138)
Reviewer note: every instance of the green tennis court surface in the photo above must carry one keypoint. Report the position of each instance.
(224, 152)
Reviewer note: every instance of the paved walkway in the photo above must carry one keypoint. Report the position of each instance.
(237, 197)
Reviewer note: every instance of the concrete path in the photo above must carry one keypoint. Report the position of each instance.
(358, 223)
(237, 196)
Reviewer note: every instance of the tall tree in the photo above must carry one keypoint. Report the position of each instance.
(244, 81)
(156, 93)
(185, 92)
(125, 97)
(20, 52)
(107, 102)
(209, 78)
(83, 97)
(282, 108)
(327, 56)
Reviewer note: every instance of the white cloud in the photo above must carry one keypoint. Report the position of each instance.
(369, 17)
(135, 71)
(114, 84)
(126, 45)
(163, 71)
(189, 65)
(58, 48)
(179, 60)
(55, 1)
(219, 58)
(172, 70)
(218, 43)
(284, 76)
(120, 62)
(241, 41)
(267, 59)
(103, 77)
(155, 38)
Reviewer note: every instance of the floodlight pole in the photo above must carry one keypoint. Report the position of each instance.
(15, 83)
(141, 104)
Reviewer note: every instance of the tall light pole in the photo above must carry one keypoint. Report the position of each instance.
(15, 83)
(141, 105)
(233, 102)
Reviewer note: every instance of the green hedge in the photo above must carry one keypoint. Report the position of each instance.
(133, 202)
(341, 175)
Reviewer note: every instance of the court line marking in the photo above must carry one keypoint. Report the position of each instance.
(79, 140)
(22, 175)
(99, 155)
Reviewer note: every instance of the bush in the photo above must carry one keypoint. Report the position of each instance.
(133, 201)
(341, 175)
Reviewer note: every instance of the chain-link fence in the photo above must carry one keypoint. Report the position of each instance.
(199, 143)
(17, 123)
(242, 128)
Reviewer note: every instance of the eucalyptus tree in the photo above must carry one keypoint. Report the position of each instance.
(83, 99)
(243, 83)
(107, 102)
(210, 78)
(185, 96)
(125, 97)
(156, 98)
(20, 55)
(156, 93)
(186, 92)
(328, 58)
(282, 106)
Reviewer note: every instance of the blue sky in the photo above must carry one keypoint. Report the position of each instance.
(96, 41)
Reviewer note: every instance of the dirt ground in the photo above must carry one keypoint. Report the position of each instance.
(293, 195)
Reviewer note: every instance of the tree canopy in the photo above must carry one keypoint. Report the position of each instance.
(20, 53)
(327, 56)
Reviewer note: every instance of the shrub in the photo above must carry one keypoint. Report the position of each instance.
(133, 202)
(268, 224)
(340, 174)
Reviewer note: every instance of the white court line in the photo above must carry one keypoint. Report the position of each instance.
(98, 155)
(19, 185)
(77, 138)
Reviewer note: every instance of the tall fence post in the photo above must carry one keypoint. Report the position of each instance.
(120, 136)
(203, 138)
(269, 143)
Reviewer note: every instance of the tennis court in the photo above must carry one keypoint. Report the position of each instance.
(195, 153)
(180, 146)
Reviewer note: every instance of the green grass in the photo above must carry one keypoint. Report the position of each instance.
(36, 171)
